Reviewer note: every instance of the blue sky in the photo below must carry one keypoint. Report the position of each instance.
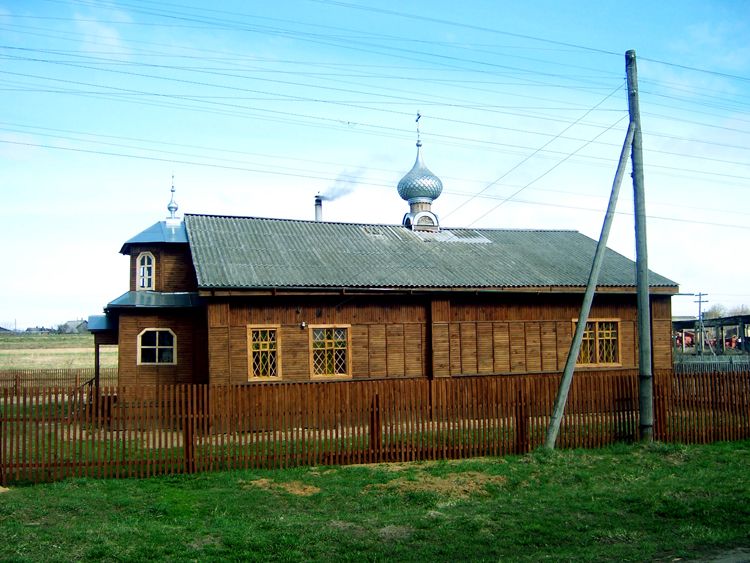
(255, 107)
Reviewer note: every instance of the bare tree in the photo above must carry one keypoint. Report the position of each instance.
(715, 311)
(739, 310)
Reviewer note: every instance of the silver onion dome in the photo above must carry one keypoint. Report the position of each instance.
(419, 184)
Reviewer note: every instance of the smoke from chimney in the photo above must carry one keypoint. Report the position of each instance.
(343, 185)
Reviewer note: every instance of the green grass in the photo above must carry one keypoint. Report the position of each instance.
(15, 341)
(631, 503)
(52, 351)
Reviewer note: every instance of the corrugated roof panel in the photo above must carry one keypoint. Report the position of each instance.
(246, 253)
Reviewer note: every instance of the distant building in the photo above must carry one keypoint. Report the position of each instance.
(74, 327)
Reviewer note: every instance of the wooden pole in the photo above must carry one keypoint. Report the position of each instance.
(588, 297)
(2, 450)
(646, 380)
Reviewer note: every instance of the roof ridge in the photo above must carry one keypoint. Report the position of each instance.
(363, 224)
(290, 220)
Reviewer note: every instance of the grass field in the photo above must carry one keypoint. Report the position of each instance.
(625, 503)
(52, 351)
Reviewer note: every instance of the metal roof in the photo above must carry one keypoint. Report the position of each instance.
(254, 253)
(159, 232)
(155, 299)
(100, 323)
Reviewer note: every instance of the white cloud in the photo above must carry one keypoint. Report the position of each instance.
(720, 45)
(98, 36)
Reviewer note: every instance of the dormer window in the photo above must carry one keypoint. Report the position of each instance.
(146, 264)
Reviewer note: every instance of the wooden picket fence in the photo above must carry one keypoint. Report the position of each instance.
(57, 432)
(15, 379)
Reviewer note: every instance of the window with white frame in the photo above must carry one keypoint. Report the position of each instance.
(157, 346)
(146, 269)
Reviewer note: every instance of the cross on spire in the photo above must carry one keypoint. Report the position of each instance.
(419, 141)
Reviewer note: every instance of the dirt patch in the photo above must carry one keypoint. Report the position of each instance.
(394, 533)
(455, 485)
(292, 487)
(200, 543)
(393, 467)
(738, 555)
(3, 490)
(348, 527)
(298, 488)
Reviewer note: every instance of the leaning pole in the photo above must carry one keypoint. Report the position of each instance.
(588, 297)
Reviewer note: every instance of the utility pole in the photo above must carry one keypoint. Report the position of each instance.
(646, 380)
(701, 329)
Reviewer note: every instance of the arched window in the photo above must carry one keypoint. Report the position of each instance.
(146, 270)
(157, 346)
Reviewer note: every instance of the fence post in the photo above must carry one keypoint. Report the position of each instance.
(522, 419)
(17, 385)
(2, 455)
(188, 438)
(430, 398)
(660, 408)
(376, 431)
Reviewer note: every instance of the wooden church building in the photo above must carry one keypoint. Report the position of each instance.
(220, 299)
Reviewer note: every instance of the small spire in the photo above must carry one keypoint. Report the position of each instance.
(172, 207)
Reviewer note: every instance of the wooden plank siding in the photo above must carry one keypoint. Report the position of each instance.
(477, 335)
(390, 337)
(191, 362)
(173, 269)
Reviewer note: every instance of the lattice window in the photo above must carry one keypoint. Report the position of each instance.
(588, 345)
(146, 264)
(608, 342)
(263, 345)
(600, 344)
(157, 346)
(330, 347)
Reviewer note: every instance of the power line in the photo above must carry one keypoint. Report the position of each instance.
(510, 197)
(488, 186)
(290, 172)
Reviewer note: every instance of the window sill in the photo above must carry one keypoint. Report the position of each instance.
(330, 377)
